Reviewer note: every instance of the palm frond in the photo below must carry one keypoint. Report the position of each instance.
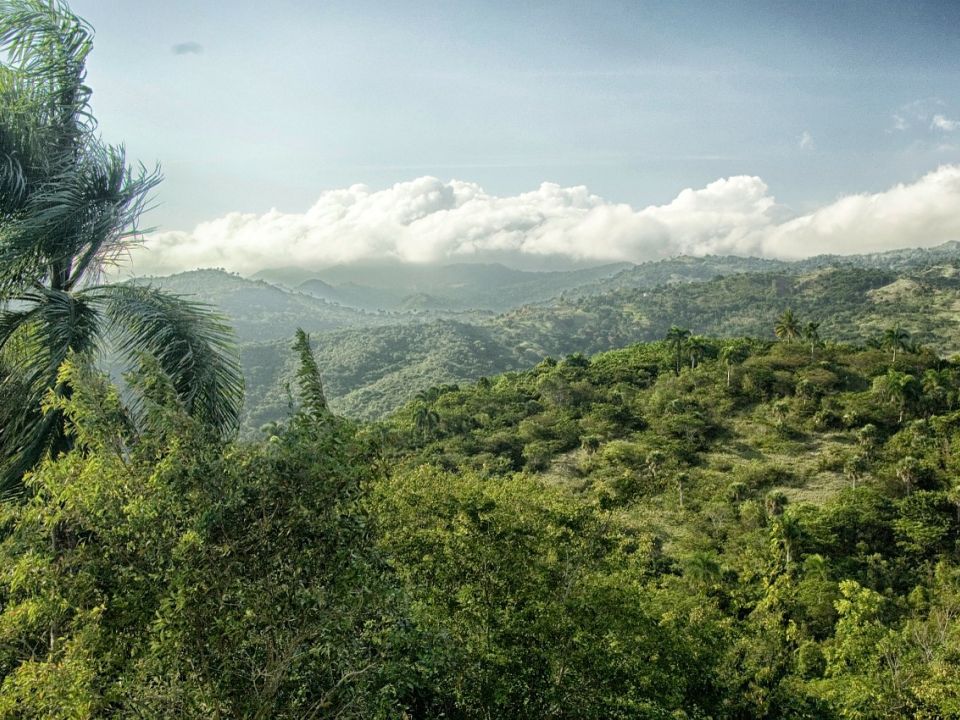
(27, 435)
(81, 218)
(46, 329)
(193, 346)
(51, 325)
(48, 45)
(66, 199)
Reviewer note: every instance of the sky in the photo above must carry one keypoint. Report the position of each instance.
(532, 133)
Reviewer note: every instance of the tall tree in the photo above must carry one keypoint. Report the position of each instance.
(696, 346)
(677, 336)
(425, 419)
(811, 333)
(897, 388)
(308, 377)
(895, 338)
(733, 354)
(69, 207)
(787, 327)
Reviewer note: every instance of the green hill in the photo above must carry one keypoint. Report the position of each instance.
(476, 286)
(769, 530)
(260, 311)
(372, 371)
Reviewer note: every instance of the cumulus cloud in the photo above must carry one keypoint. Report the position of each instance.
(187, 48)
(942, 122)
(428, 220)
(900, 123)
(806, 141)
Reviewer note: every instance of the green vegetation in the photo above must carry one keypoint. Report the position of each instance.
(797, 516)
(690, 527)
(371, 371)
(69, 206)
(762, 535)
(445, 288)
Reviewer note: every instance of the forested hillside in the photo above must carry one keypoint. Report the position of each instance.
(259, 311)
(372, 371)
(708, 488)
(741, 530)
(464, 286)
(782, 517)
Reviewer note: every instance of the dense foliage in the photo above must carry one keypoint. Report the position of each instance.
(769, 532)
(694, 527)
(155, 572)
(788, 513)
(371, 371)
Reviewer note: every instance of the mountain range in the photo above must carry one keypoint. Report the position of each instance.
(384, 332)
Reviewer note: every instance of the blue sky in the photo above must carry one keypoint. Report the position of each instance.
(250, 108)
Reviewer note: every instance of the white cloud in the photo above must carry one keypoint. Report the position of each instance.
(900, 122)
(806, 141)
(921, 214)
(427, 220)
(941, 122)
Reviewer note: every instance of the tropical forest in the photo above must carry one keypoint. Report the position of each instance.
(704, 485)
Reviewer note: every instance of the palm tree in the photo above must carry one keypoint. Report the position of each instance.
(787, 328)
(854, 468)
(812, 335)
(731, 355)
(898, 388)
(895, 338)
(425, 419)
(677, 335)
(703, 568)
(696, 346)
(788, 533)
(868, 437)
(936, 384)
(775, 503)
(69, 206)
(681, 480)
(908, 471)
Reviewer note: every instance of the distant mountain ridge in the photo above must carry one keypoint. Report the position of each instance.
(460, 286)
(373, 361)
(259, 310)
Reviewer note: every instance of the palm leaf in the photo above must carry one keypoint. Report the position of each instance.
(50, 325)
(193, 346)
(36, 339)
(63, 193)
(82, 218)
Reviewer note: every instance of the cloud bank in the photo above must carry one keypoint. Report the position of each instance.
(428, 220)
